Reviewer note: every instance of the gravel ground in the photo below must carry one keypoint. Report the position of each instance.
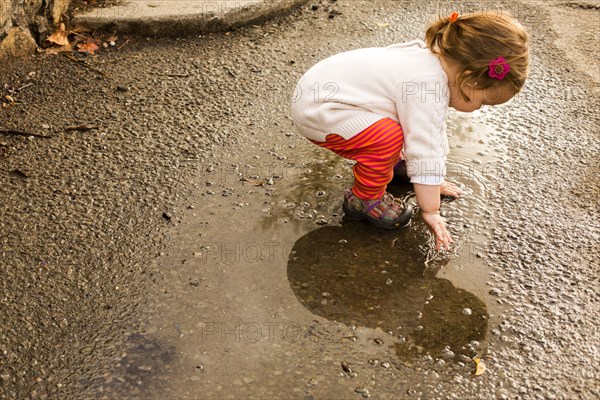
(108, 290)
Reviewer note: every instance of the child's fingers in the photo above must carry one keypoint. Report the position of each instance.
(442, 244)
(450, 189)
(442, 237)
(438, 228)
(456, 189)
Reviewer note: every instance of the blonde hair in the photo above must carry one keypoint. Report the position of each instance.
(473, 40)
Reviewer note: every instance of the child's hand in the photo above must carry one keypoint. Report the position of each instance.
(450, 189)
(437, 226)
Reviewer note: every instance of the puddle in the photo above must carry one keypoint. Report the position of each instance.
(265, 256)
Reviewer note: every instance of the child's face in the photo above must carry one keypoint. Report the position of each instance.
(480, 97)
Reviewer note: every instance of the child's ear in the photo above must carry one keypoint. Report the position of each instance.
(470, 86)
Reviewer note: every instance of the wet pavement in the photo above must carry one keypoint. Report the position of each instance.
(193, 245)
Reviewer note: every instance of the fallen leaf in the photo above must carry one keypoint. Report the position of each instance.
(479, 366)
(61, 49)
(112, 38)
(88, 47)
(59, 37)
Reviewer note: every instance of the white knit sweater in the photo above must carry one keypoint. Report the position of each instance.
(346, 93)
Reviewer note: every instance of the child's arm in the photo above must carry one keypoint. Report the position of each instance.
(428, 199)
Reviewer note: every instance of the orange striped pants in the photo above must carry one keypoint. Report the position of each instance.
(376, 151)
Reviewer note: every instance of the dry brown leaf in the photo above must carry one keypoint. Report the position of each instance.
(89, 47)
(61, 49)
(479, 366)
(60, 36)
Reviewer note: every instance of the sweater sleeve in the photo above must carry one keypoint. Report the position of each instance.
(422, 107)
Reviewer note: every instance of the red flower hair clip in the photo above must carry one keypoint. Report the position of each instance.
(498, 68)
(453, 17)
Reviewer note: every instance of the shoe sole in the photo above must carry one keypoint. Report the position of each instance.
(402, 221)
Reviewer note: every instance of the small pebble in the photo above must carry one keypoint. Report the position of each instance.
(346, 367)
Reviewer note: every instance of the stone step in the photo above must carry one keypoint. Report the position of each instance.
(171, 18)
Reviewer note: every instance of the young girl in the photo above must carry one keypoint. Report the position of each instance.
(385, 108)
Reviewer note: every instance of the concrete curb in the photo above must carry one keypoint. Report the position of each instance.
(176, 18)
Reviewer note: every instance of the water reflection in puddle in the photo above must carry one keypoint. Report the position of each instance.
(365, 277)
